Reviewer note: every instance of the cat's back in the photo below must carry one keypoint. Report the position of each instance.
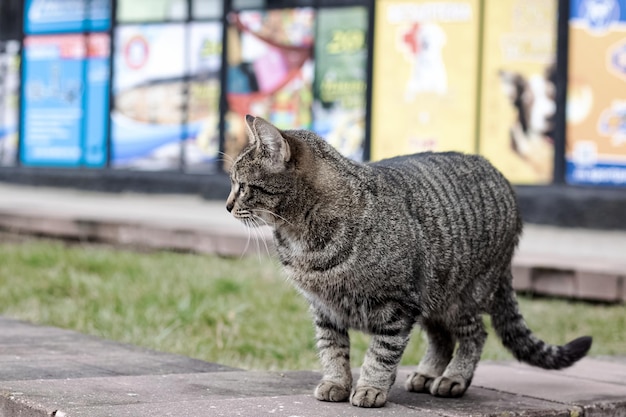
(445, 172)
(453, 196)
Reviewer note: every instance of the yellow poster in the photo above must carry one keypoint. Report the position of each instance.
(517, 94)
(424, 76)
(596, 94)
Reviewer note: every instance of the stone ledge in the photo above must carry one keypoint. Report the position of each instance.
(571, 277)
(63, 373)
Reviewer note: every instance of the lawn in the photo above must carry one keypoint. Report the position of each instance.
(240, 312)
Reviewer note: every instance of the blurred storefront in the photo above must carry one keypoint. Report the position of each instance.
(146, 93)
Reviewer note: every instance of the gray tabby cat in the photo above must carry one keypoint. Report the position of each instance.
(425, 239)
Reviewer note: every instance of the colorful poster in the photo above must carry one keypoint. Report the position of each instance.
(62, 16)
(202, 129)
(425, 76)
(341, 78)
(9, 98)
(149, 95)
(596, 93)
(518, 88)
(270, 71)
(52, 105)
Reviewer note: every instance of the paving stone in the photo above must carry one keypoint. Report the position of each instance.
(288, 406)
(479, 401)
(12, 406)
(607, 369)
(251, 394)
(39, 352)
(555, 386)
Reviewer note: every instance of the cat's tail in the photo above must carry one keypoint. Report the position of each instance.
(518, 338)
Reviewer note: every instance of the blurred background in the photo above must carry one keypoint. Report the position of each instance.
(151, 94)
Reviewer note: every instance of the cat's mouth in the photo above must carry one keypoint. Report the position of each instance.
(242, 214)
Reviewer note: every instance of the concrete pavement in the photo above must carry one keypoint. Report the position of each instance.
(46, 371)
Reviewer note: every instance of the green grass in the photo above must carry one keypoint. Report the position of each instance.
(237, 312)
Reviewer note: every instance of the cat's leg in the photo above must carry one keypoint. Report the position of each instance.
(333, 344)
(438, 355)
(378, 372)
(470, 332)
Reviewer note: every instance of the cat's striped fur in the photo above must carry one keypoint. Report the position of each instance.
(425, 239)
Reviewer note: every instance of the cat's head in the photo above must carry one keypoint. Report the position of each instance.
(263, 175)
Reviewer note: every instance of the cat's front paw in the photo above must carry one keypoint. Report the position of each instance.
(417, 382)
(332, 391)
(445, 386)
(365, 396)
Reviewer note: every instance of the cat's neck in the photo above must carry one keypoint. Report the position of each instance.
(322, 202)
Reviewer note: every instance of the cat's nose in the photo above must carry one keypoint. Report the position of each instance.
(230, 205)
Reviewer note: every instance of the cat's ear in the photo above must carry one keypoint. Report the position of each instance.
(268, 139)
(252, 139)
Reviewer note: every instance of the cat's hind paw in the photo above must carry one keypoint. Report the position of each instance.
(445, 386)
(331, 391)
(368, 397)
(417, 382)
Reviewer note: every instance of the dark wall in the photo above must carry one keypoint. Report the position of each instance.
(11, 19)
(572, 206)
(213, 186)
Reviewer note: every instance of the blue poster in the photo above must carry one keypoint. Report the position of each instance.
(96, 118)
(65, 102)
(52, 106)
(598, 14)
(62, 16)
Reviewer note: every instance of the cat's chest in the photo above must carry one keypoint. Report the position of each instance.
(314, 253)
(343, 309)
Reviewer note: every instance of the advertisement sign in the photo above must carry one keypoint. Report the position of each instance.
(202, 128)
(518, 88)
(596, 93)
(425, 76)
(9, 98)
(270, 71)
(149, 95)
(52, 106)
(57, 16)
(65, 100)
(341, 78)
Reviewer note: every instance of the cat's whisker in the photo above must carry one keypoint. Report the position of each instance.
(245, 249)
(226, 157)
(257, 219)
(255, 229)
(275, 215)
